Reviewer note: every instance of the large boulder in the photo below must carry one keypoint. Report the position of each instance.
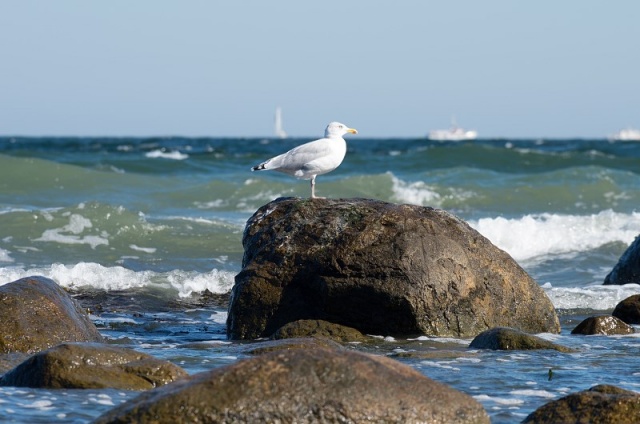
(303, 386)
(36, 314)
(92, 366)
(602, 404)
(627, 270)
(380, 268)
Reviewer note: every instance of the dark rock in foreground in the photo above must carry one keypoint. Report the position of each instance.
(601, 404)
(319, 328)
(511, 339)
(606, 325)
(303, 386)
(269, 346)
(627, 270)
(92, 366)
(382, 268)
(628, 310)
(36, 314)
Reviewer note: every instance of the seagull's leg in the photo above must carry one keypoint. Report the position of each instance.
(313, 187)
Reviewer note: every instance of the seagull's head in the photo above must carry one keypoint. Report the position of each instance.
(336, 129)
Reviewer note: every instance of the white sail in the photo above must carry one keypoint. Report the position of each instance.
(279, 131)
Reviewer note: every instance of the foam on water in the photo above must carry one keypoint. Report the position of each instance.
(550, 234)
(71, 233)
(96, 276)
(596, 297)
(174, 154)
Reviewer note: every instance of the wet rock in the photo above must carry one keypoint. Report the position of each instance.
(627, 270)
(606, 325)
(601, 404)
(260, 348)
(36, 313)
(9, 361)
(92, 366)
(319, 328)
(512, 339)
(303, 386)
(628, 310)
(380, 268)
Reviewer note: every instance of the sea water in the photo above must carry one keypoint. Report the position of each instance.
(144, 227)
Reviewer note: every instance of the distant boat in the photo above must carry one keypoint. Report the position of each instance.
(454, 133)
(628, 134)
(279, 131)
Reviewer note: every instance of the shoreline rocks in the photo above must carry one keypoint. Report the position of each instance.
(511, 339)
(36, 314)
(381, 268)
(92, 366)
(627, 270)
(304, 386)
(599, 404)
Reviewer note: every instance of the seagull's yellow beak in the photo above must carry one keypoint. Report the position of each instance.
(352, 130)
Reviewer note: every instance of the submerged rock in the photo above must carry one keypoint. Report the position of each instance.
(36, 314)
(601, 404)
(92, 366)
(319, 328)
(628, 310)
(606, 325)
(511, 339)
(380, 268)
(303, 386)
(627, 270)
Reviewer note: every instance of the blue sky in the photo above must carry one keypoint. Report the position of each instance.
(390, 69)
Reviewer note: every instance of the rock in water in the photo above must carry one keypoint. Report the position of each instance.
(600, 404)
(303, 386)
(627, 270)
(36, 314)
(380, 268)
(92, 366)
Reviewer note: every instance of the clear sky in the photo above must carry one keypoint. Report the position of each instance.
(388, 68)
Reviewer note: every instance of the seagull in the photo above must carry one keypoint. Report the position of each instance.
(314, 158)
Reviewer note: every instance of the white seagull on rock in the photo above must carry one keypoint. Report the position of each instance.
(314, 158)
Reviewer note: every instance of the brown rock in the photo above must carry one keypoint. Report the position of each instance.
(511, 339)
(628, 310)
(260, 348)
(303, 386)
(607, 325)
(319, 328)
(36, 313)
(601, 404)
(380, 268)
(92, 366)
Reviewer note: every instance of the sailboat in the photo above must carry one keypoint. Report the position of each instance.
(279, 131)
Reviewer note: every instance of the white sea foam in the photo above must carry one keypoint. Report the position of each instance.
(420, 193)
(535, 393)
(5, 256)
(88, 274)
(143, 249)
(71, 233)
(551, 234)
(159, 153)
(597, 297)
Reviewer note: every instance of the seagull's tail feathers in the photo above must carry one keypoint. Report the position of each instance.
(262, 167)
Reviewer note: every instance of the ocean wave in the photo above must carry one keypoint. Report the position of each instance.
(89, 275)
(160, 153)
(596, 297)
(535, 235)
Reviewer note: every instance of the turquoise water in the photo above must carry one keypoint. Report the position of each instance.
(155, 222)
